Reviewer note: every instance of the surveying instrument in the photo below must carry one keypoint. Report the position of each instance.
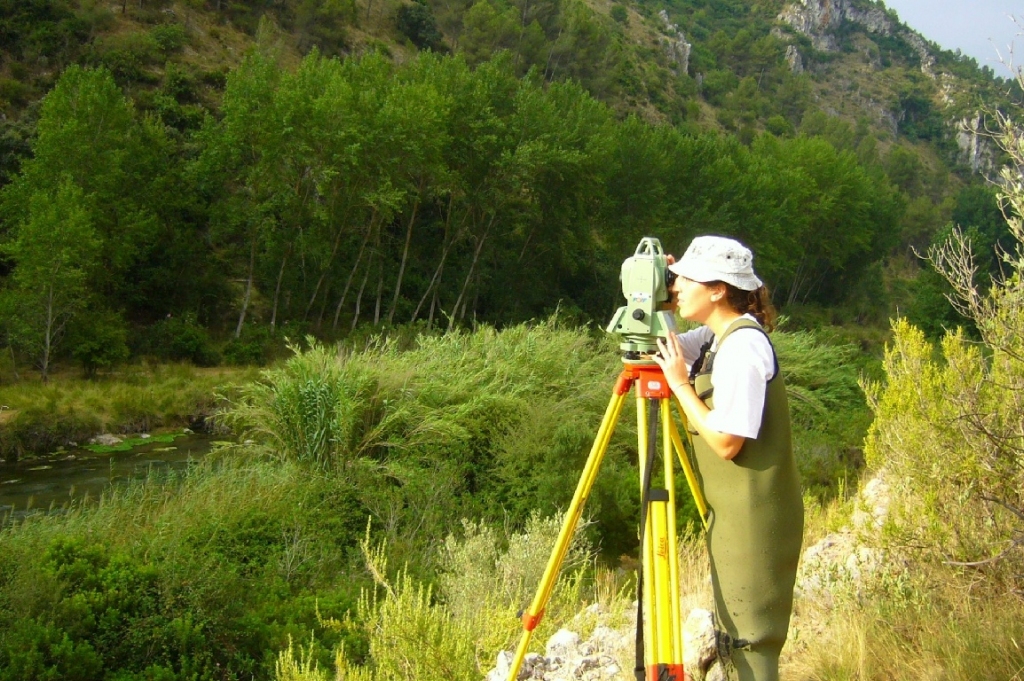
(647, 316)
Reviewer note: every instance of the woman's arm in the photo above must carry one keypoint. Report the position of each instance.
(724, 445)
(674, 365)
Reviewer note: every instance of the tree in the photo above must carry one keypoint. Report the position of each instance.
(53, 251)
(238, 162)
(88, 133)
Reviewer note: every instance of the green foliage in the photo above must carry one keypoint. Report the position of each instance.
(416, 22)
(98, 340)
(486, 579)
(42, 30)
(930, 435)
(169, 38)
(342, 193)
(829, 413)
(38, 429)
(237, 555)
(47, 416)
(54, 251)
(128, 444)
(108, 613)
(255, 346)
(88, 136)
(178, 339)
(414, 640)
(198, 584)
(318, 409)
(412, 635)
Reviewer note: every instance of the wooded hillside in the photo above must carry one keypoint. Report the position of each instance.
(191, 180)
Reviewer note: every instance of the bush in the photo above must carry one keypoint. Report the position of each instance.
(319, 409)
(414, 636)
(178, 339)
(169, 38)
(15, 91)
(717, 84)
(947, 425)
(199, 579)
(255, 347)
(98, 339)
(416, 22)
(108, 613)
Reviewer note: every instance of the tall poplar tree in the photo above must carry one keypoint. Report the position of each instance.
(53, 251)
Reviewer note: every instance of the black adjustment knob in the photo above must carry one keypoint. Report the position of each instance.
(638, 314)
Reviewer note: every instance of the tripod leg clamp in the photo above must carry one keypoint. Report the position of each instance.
(530, 622)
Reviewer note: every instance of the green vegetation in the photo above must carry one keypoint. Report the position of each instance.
(204, 183)
(243, 173)
(128, 444)
(269, 540)
(40, 417)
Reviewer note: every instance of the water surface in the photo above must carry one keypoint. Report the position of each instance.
(48, 483)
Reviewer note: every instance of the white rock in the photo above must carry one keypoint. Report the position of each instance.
(501, 667)
(564, 644)
(699, 645)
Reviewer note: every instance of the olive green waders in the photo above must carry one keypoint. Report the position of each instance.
(755, 529)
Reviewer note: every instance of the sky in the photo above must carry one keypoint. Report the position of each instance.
(977, 27)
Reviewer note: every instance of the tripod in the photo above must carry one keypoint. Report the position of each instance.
(659, 629)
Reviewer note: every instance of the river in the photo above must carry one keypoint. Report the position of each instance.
(49, 483)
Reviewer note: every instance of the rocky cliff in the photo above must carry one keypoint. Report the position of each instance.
(823, 21)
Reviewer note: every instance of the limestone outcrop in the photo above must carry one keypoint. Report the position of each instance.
(820, 20)
(677, 49)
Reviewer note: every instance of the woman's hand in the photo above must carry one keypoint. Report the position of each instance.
(672, 362)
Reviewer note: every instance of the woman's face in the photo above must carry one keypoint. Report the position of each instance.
(692, 299)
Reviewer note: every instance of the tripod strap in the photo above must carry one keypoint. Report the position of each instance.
(640, 670)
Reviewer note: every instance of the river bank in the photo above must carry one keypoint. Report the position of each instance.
(38, 418)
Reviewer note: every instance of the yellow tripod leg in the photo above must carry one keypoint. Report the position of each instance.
(647, 549)
(664, 657)
(673, 605)
(535, 612)
(684, 461)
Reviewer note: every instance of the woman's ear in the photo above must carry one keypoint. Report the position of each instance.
(717, 292)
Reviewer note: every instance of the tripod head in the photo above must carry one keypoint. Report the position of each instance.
(647, 314)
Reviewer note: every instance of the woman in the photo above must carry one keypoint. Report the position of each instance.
(726, 376)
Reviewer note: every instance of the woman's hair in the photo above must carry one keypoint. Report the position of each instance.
(757, 303)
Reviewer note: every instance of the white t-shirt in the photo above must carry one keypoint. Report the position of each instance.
(739, 376)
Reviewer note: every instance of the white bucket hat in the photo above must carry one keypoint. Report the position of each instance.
(716, 258)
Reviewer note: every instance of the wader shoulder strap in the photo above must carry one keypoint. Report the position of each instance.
(701, 378)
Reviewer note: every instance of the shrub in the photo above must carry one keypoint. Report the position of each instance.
(255, 346)
(15, 91)
(108, 613)
(948, 426)
(413, 636)
(178, 339)
(169, 38)
(717, 84)
(319, 409)
(416, 22)
(98, 340)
